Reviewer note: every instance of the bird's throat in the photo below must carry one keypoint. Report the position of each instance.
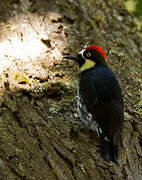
(87, 65)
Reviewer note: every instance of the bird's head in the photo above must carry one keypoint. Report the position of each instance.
(89, 57)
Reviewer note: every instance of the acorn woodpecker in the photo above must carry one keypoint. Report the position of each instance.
(99, 100)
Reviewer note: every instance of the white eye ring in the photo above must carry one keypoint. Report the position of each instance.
(88, 54)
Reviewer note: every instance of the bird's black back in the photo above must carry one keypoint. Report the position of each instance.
(102, 96)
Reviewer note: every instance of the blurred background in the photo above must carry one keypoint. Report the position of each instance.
(135, 7)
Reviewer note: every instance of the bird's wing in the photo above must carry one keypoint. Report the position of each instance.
(88, 92)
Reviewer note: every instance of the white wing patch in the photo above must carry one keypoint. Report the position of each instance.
(85, 116)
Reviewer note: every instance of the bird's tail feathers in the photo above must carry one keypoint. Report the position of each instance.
(109, 151)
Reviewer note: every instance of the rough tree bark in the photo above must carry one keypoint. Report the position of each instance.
(40, 137)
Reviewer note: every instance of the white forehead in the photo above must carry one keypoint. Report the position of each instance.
(81, 52)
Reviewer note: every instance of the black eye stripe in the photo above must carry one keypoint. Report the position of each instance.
(80, 60)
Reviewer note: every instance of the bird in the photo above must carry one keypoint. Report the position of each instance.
(100, 101)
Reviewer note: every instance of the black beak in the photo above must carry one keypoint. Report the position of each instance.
(74, 58)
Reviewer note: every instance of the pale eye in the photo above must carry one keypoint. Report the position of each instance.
(88, 54)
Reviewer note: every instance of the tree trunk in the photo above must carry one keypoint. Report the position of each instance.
(41, 136)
